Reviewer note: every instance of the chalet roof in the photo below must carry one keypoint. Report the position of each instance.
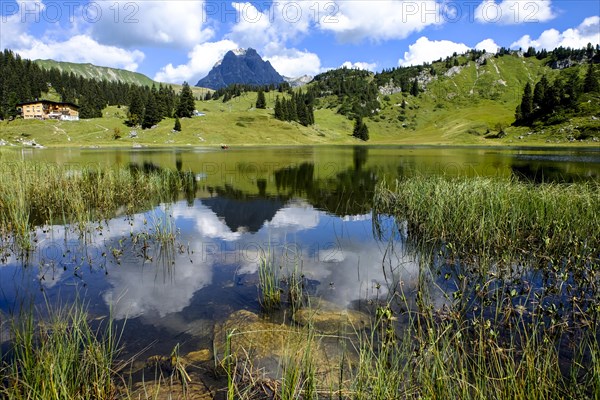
(58, 103)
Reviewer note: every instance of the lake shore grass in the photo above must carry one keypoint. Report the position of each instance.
(60, 356)
(498, 338)
(501, 218)
(35, 194)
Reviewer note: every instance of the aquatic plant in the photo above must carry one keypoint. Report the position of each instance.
(268, 283)
(34, 194)
(60, 357)
(501, 219)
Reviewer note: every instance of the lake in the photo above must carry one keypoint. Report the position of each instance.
(308, 209)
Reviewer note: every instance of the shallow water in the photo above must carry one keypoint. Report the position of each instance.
(309, 207)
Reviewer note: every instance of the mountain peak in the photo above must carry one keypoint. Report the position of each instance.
(243, 66)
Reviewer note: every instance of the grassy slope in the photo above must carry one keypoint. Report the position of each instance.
(91, 71)
(460, 109)
(233, 123)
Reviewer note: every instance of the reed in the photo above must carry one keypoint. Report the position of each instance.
(33, 194)
(495, 218)
(61, 357)
(269, 283)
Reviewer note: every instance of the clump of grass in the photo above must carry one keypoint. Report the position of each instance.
(62, 357)
(268, 282)
(497, 218)
(45, 193)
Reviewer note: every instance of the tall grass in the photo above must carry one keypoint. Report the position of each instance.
(269, 283)
(33, 194)
(61, 357)
(499, 218)
(520, 319)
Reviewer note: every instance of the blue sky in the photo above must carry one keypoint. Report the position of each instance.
(173, 41)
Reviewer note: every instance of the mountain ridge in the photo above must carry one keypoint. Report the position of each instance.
(96, 72)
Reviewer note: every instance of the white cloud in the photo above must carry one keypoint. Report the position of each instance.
(425, 50)
(360, 65)
(160, 23)
(207, 223)
(353, 21)
(350, 21)
(80, 49)
(587, 32)
(295, 217)
(510, 12)
(201, 59)
(273, 26)
(488, 45)
(294, 63)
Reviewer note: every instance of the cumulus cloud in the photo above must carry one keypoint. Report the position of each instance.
(488, 45)
(295, 217)
(294, 63)
(425, 50)
(354, 21)
(80, 49)
(360, 65)
(587, 32)
(201, 59)
(511, 12)
(277, 25)
(151, 23)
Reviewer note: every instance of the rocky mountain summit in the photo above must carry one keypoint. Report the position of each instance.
(242, 66)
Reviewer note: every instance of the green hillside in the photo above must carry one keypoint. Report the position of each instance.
(465, 100)
(90, 71)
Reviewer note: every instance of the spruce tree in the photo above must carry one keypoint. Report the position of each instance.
(414, 89)
(186, 106)
(525, 109)
(590, 83)
(538, 93)
(260, 100)
(151, 112)
(177, 126)
(135, 114)
(279, 109)
(360, 131)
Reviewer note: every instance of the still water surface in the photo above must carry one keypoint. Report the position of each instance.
(309, 207)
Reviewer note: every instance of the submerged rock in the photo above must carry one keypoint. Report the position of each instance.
(329, 318)
(271, 347)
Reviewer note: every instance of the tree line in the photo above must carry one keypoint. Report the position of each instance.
(298, 107)
(355, 89)
(555, 98)
(237, 89)
(22, 80)
(148, 106)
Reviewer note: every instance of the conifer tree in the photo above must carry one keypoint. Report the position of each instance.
(414, 89)
(260, 100)
(279, 109)
(186, 105)
(539, 92)
(135, 113)
(177, 126)
(360, 131)
(524, 110)
(590, 83)
(151, 112)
